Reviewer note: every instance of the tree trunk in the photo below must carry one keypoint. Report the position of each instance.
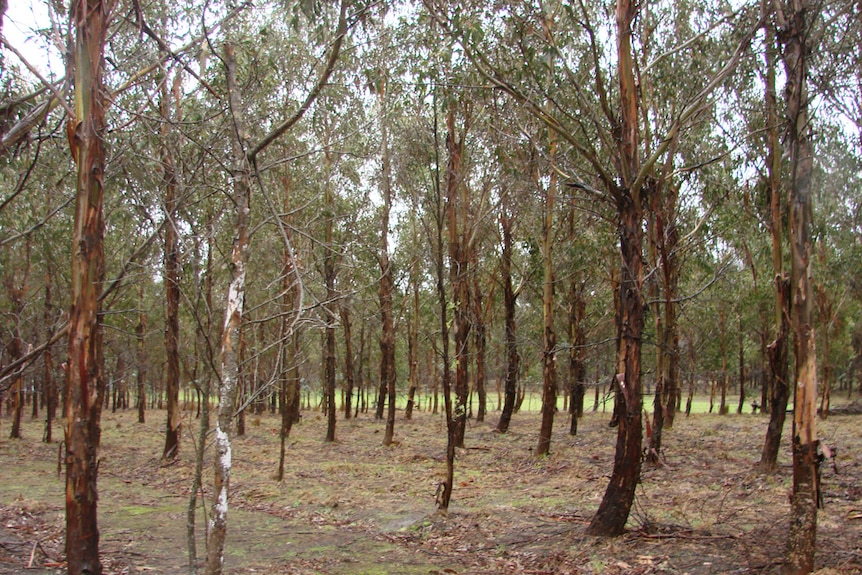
(444, 489)
(777, 350)
(85, 385)
(577, 364)
(741, 405)
(361, 391)
(50, 389)
(289, 390)
(457, 214)
(413, 339)
(824, 306)
(670, 266)
(172, 283)
(480, 342)
(229, 347)
(509, 304)
(349, 372)
(654, 433)
(17, 292)
(242, 385)
(202, 345)
(613, 512)
(722, 329)
(795, 33)
(329, 317)
(549, 338)
(387, 283)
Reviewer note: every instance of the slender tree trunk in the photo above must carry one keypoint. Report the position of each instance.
(654, 433)
(202, 345)
(509, 305)
(777, 350)
(172, 284)
(289, 391)
(457, 213)
(549, 339)
(824, 306)
(480, 342)
(361, 391)
(242, 384)
(613, 512)
(229, 348)
(349, 372)
(119, 383)
(577, 364)
(670, 266)
(722, 406)
(50, 389)
(795, 35)
(444, 489)
(413, 339)
(289, 400)
(16, 289)
(329, 275)
(691, 378)
(85, 385)
(387, 283)
(741, 369)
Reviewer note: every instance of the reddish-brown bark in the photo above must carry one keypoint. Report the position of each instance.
(84, 374)
(457, 214)
(172, 286)
(610, 519)
(777, 350)
(509, 305)
(794, 32)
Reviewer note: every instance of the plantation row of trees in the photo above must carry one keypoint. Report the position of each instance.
(395, 199)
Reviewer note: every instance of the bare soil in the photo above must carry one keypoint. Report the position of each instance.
(355, 507)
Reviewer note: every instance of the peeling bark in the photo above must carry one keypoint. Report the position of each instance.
(795, 34)
(612, 514)
(85, 384)
(230, 340)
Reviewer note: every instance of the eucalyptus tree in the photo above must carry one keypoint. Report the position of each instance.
(168, 109)
(836, 81)
(594, 125)
(246, 149)
(16, 281)
(330, 272)
(514, 187)
(778, 356)
(836, 186)
(421, 171)
(588, 247)
(795, 21)
(548, 193)
(84, 374)
(510, 297)
(379, 83)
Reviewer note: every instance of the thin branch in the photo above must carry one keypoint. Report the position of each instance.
(279, 130)
(36, 73)
(695, 105)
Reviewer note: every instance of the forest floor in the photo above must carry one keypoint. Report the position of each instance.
(355, 507)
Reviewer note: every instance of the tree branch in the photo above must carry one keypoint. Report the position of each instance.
(279, 130)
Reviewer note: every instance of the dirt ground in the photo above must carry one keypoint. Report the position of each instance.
(355, 507)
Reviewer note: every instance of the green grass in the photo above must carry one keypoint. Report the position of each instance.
(532, 402)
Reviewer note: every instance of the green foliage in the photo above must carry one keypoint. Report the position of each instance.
(559, 58)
